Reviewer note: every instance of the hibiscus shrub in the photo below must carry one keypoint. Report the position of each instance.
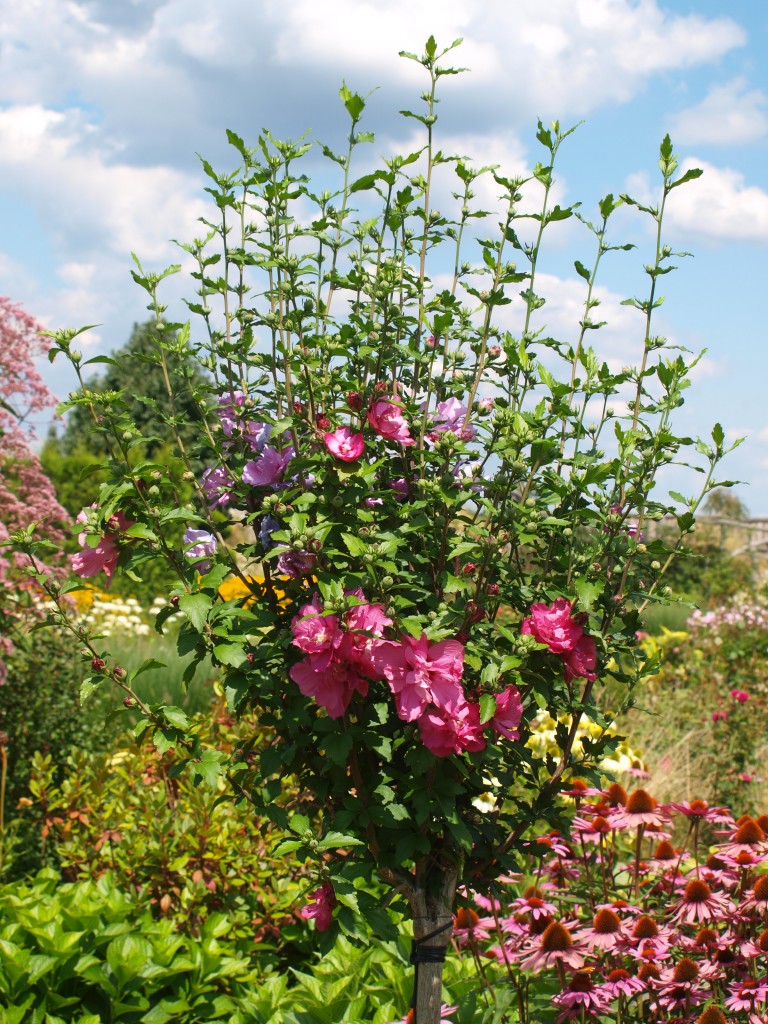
(435, 534)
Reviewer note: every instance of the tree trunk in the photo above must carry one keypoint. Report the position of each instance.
(431, 902)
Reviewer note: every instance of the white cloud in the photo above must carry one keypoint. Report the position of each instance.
(719, 205)
(86, 201)
(729, 114)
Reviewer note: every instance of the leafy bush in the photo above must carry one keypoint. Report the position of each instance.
(448, 539)
(85, 953)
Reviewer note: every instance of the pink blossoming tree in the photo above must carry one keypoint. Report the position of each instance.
(27, 498)
(436, 539)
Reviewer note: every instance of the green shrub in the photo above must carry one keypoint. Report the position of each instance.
(86, 953)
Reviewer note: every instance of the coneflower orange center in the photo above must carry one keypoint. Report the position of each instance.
(760, 888)
(698, 808)
(599, 824)
(706, 937)
(606, 922)
(686, 970)
(749, 833)
(648, 971)
(556, 938)
(762, 821)
(466, 918)
(712, 1015)
(616, 794)
(618, 975)
(714, 863)
(697, 891)
(581, 982)
(665, 851)
(535, 903)
(531, 891)
(640, 802)
(762, 941)
(645, 928)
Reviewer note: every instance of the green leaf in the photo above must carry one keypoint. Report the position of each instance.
(196, 608)
(487, 707)
(718, 435)
(175, 716)
(588, 592)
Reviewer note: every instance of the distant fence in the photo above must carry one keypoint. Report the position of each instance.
(736, 536)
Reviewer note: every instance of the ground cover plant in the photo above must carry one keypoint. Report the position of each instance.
(430, 535)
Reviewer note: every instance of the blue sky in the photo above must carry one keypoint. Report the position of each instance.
(104, 104)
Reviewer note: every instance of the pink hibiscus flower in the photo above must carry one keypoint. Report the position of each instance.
(268, 468)
(344, 444)
(509, 712)
(324, 900)
(553, 625)
(452, 732)
(420, 673)
(386, 417)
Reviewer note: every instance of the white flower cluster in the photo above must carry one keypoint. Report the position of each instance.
(113, 615)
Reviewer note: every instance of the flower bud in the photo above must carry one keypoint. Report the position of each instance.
(354, 401)
(128, 702)
(492, 589)
(97, 664)
(323, 422)
(118, 672)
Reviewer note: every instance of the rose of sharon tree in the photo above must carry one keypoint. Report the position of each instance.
(435, 534)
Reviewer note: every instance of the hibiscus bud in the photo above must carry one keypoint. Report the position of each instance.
(462, 636)
(469, 568)
(118, 672)
(128, 702)
(250, 657)
(165, 903)
(381, 386)
(323, 422)
(298, 408)
(97, 665)
(187, 475)
(313, 544)
(474, 611)
(175, 601)
(492, 589)
(495, 351)
(354, 401)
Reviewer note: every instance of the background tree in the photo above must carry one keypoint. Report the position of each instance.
(133, 382)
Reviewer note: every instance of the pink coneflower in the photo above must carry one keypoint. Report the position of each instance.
(622, 983)
(647, 936)
(712, 1015)
(744, 994)
(640, 809)
(580, 997)
(699, 810)
(592, 830)
(747, 837)
(555, 842)
(757, 900)
(468, 926)
(699, 903)
(678, 987)
(606, 931)
(556, 946)
(535, 906)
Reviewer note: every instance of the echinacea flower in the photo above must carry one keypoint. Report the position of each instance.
(699, 903)
(556, 945)
(640, 809)
(581, 996)
(743, 995)
(606, 931)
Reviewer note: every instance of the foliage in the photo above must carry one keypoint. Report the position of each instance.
(712, 690)
(436, 539)
(84, 953)
(182, 850)
(135, 372)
